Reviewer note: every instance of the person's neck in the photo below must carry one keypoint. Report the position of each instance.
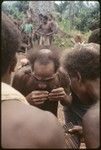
(6, 79)
(95, 89)
(93, 94)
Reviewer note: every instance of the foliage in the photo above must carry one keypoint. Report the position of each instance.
(21, 5)
(62, 42)
(16, 9)
(80, 14)
(64, 25)
(73, 17)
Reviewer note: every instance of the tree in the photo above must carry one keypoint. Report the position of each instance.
(81, 14)
(21, 5)
(16, 9)
(43, 7)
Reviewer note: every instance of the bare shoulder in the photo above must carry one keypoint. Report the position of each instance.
(91, 120)
(49, 133)
(92, 113)
(30, 127)
(91, 127)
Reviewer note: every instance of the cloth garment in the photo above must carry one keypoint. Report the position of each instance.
(9, 93)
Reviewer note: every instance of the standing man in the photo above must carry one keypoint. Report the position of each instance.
(20, 127)
(27, 29)
(36, 36)
(45, 31)
(53, 25)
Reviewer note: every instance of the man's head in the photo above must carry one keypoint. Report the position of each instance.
(45, 64)
(40, 16)
(50, 17)
(10, 37)
(94, 37)
(28, 20)
(45, 19)
(83, 67)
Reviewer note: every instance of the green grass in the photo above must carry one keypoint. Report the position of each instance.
(62, 42)
(65, 42)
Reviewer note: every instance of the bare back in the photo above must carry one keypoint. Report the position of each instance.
(91, 127)
(25, 126)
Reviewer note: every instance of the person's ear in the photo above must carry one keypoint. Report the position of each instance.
(79, 77)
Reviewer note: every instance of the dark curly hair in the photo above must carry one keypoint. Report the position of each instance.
(10, 42)
(85, 60)
(45, 57)
(45, 17)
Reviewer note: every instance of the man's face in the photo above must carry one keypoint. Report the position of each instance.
(84, 89)
(49, 18)
(44, 20)
(79, 88)
(44, 74)
(41, 17)
(76, 87)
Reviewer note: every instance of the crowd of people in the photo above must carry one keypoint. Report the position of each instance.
(45, 78)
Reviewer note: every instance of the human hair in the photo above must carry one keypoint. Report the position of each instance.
(10, 42)
(44, 56)
(94, 37)
(45, 17)
(84, 60)
(40, 15)
(50, 15)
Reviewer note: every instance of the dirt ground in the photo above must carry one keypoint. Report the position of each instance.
(60, 107)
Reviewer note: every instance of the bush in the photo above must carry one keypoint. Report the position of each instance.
(65, 25)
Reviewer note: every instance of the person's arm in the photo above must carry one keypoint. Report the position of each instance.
(54, 28)
(22, 28)
(31, 28)
(51, 132)
(91, 127)
(49, 34)
(37, 30)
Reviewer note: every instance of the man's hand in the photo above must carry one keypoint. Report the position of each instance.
(57, 94)
(40, 33)
(76, 130)
(48, 34)
(37, 97)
